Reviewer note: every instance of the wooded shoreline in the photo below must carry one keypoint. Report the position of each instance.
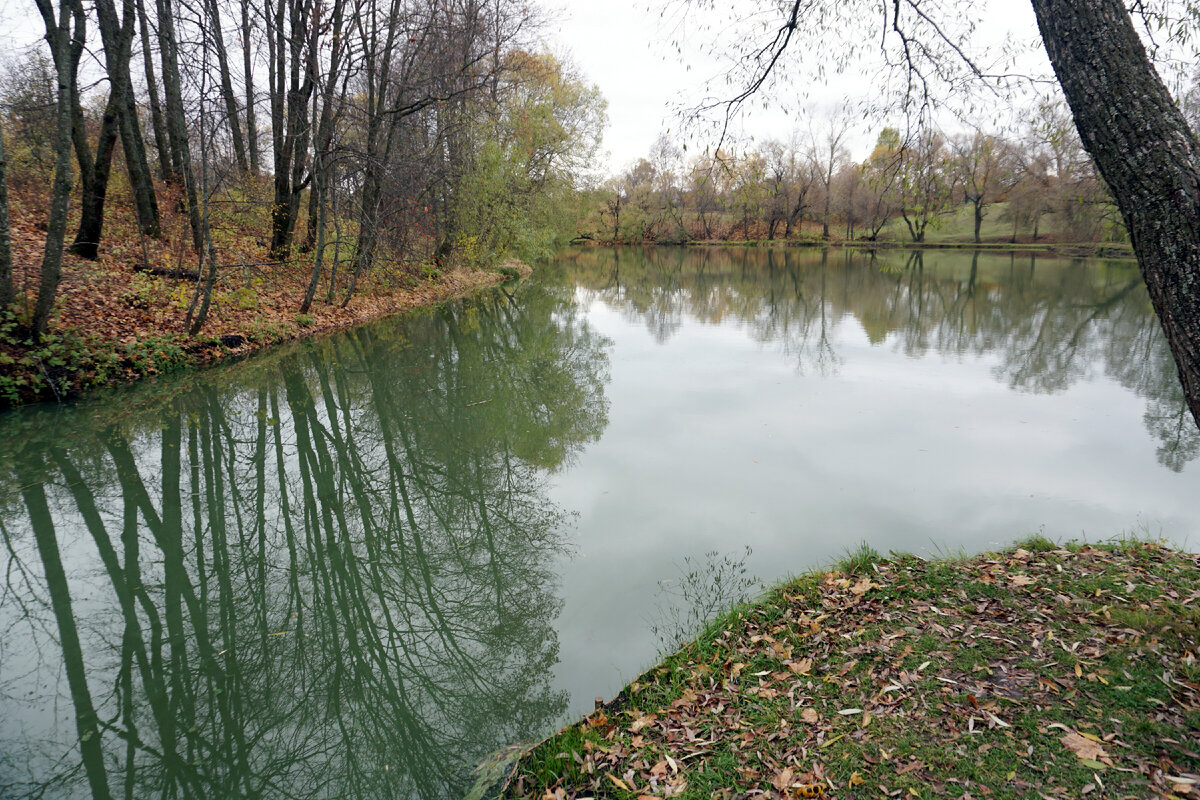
(66, 366)
(1069, 250)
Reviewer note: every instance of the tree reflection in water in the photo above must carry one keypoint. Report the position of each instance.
(1046, 322)
(329, 572)
(326, 572)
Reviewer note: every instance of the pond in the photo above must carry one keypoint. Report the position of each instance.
(350, 568)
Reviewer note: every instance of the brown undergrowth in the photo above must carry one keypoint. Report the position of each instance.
(120, 318)
(1042, 672)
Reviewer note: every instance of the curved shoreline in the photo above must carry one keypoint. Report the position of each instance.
(253, 335)
(1026, 672)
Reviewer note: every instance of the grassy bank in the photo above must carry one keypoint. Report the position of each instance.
(1069, 249)
(1042, 671)
(1066, 249)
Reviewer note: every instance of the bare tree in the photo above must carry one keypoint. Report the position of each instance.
(65, 35)
(828, 153)
(248, 79)
(847, 196)
(332, 97)
(292, 40)
(232, 114)
(117, 38)
(985, 168)
(120, 119)
(157, 123)
(1126, 117)
(176, 121)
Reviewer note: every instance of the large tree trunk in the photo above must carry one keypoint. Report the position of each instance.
(93, 175)
(117, 37)
(1145, 151)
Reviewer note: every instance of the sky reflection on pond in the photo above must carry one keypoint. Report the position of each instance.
(802, 401)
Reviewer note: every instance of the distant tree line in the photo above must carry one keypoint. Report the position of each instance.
(366, 133)
(810, 186)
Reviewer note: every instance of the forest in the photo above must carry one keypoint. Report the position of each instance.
(197, 176)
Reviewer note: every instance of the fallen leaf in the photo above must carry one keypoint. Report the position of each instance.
(1084, 748)
(620, 784)
(801, 667)
(809, 715)
(642, 722)
(783, 779)
(863, 586)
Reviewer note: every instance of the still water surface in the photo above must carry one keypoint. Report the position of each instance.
(349, 568)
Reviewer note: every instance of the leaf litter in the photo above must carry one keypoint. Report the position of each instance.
(1052, 672)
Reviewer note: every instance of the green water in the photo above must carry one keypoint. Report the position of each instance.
(350, 568)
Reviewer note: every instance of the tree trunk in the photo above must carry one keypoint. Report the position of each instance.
(177, 136)
(7, 291)
(318, 232)
(293, 77)
(117, 38)
(978, 218)
(93, 176)
(156, 113)
(248, 71)
(66, 51)
(323, 143)
(227, 96)
(1146, 153)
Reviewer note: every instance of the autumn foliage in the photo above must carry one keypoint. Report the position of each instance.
(120, 317)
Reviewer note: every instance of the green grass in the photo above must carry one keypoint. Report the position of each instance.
(990, 676)
(959, 226)
(859, 560)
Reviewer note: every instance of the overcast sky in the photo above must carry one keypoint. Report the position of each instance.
(627, 50)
